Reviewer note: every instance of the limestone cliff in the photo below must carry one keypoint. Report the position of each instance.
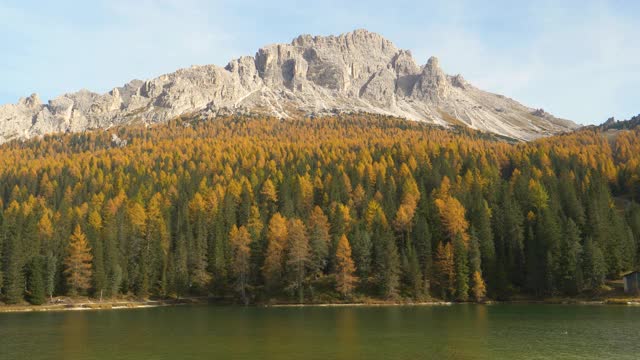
(358, 71)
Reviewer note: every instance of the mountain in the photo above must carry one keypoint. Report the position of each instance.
(613, 124)
(358, 71)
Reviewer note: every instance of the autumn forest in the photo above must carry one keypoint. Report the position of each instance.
(316, 210)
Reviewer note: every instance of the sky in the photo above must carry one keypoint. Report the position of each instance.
(579, 60)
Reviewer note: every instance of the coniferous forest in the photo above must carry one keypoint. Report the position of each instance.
(331, 209)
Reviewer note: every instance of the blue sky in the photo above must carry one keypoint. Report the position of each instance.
(576, 59)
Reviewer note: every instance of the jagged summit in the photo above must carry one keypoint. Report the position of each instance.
(359, 71)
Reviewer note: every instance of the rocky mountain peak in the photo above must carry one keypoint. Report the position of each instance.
(458, 81)
(357, 40)
(358, 71)
(31, 102)
(433, 63)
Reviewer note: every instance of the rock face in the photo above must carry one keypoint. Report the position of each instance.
(358, 71)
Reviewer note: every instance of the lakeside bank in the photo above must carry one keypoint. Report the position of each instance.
(87, 305)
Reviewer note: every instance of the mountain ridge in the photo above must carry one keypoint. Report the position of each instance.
(359, 71)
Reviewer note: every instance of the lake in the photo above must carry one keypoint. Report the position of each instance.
(504, 331)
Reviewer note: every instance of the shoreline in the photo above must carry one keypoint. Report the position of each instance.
(363, 304)
(96, 306)
(142, 304)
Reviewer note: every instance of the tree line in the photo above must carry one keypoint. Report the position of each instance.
(316, 210)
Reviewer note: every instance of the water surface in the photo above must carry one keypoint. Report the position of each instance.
(420, 332)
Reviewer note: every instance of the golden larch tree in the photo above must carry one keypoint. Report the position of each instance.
(305, 186)
(445, 268)
(452, 217)
(45, 227)
(538, 195)
(269, 192)
(240, 239)
(479, 287)
(410, 197)
(255, 225)
(345, 268)
(298, 255)
(319, 240)
(276, 241)
(78, 262)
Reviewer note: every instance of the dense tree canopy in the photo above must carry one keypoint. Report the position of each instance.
(258, 208)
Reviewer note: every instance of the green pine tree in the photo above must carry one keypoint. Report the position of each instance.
(571, 254)
(389, 263)
(35, 281)
(461, 269)
(594, 265)
(14, 279)
(362, 251)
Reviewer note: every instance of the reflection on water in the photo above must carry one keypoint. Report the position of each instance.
(75, 332)
(432, 332)
(346, 334)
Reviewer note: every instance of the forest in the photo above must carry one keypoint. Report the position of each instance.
(342, 208)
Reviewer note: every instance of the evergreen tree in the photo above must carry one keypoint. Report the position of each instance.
(217, 253)
(158, 240)
(389, 261)
(422, 241)
(461, 269)
(509, 243)
(113, 230)
(362, 251)
(413, 274)
(35, 281)
(542, 254)
(551, 234)
(246, 201)
(258, 245)
(50, 268)
(571, 253)
(633, 219)
(570, 203)
(14, 279)
(94, 235)
(594, 265)
(285, 195)
(179, 273)
(197, 242)
(480, 219)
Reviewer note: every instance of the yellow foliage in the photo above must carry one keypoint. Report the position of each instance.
(345, 268)
(78, 262)
(452, 215)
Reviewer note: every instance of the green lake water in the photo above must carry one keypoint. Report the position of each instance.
(419, 332)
